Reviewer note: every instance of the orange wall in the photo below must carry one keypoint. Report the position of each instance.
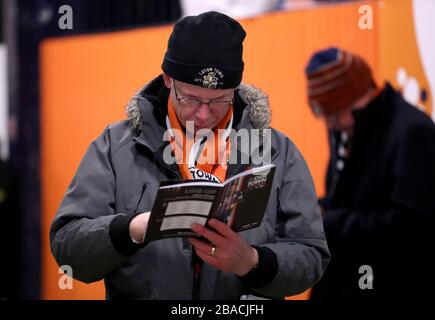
(399, 49)
(87, 80)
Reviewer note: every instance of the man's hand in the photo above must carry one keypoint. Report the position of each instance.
(138, 227)
(231, 254)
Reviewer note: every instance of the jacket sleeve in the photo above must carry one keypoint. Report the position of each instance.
(299, 247)
(412, 204)
(86, 234)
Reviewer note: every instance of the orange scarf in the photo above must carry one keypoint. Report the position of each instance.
(213, 166)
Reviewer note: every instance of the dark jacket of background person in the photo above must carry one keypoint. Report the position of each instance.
(380, 211)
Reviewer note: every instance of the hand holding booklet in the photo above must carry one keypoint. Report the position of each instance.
(239, 202)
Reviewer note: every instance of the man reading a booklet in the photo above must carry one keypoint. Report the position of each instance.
(195, 121)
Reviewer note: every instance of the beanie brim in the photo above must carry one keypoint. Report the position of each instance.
(212, 77)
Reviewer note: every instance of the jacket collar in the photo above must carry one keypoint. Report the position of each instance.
(377, 112)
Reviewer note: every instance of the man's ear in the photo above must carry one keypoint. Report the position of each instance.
(167, 80)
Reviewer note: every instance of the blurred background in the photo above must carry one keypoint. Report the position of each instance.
(68, 67)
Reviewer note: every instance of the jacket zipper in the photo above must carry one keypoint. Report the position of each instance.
(197, 268)
(140, 198)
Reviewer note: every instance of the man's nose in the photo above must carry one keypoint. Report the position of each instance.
(203, 111)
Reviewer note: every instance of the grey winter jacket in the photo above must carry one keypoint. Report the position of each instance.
(119, 177)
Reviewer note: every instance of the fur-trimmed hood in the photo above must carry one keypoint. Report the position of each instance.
(257, 101)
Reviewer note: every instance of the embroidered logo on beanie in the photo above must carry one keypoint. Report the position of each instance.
(209, 78)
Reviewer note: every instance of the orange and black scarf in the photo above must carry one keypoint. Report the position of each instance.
(194, 155)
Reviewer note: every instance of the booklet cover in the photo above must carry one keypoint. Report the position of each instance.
(240, 202)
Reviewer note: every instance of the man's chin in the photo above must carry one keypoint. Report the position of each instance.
(340, 128)
(196, 128)
(202, 127)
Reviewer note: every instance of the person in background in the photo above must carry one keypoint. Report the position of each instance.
(379, 208)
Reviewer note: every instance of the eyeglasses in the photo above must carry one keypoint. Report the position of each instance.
(214, 105)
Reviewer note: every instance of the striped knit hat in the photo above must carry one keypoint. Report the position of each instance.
(336, 79)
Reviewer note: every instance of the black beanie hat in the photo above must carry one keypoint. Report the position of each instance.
(206, 50)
